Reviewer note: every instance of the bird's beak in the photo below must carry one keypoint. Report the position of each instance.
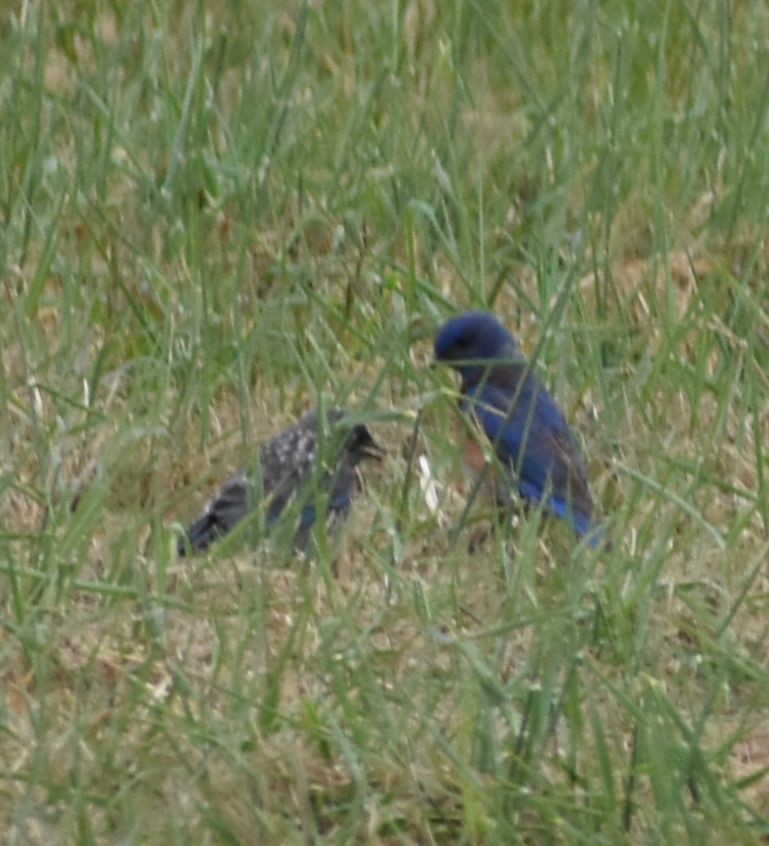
(371, 449)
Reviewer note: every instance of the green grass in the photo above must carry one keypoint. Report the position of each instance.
(215, 216)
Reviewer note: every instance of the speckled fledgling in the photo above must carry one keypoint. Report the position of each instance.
(527, 429)
(308, 464)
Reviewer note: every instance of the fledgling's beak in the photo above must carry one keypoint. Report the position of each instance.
(369, 448)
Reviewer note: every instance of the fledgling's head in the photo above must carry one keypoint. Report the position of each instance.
(360, 445)
(467, 341)
(350, 441)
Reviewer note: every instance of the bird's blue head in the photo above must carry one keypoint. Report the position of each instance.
(472, 340)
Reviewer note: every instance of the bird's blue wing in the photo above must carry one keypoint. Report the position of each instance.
(531, 437)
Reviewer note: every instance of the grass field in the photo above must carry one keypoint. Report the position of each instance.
(215, 216)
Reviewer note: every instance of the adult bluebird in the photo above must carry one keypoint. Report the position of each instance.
(525, 426)
(311, 464)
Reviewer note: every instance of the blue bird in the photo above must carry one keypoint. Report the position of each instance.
(312, 464)
(525, 426)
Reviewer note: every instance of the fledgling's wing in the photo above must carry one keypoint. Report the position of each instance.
(334, 509)
(230, 505)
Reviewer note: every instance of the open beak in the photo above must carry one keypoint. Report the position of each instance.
(371, 449)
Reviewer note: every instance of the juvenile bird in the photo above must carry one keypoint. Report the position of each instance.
(526, 427)
(312, 463)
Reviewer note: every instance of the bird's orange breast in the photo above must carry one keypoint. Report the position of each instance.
(473, 454)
